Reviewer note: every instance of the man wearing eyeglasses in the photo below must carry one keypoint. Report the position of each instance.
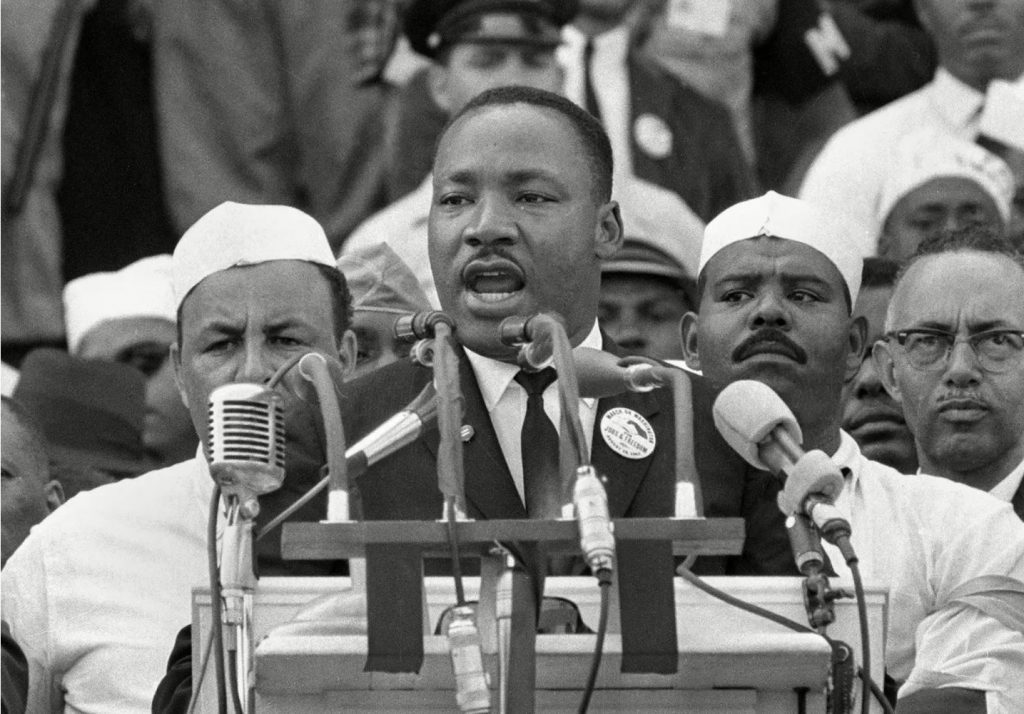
(953, 355)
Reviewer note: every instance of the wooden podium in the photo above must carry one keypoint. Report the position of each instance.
(729, 660)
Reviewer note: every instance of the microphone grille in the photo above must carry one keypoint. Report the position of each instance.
(246, 435)
(747, 411)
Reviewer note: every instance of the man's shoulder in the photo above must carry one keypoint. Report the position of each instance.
(887, 123)
(933, 498)
(404, 219)
(96, 507)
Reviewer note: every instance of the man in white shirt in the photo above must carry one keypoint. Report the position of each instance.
(979, 54)
(953, 355)
(96, 594)
(777, 283)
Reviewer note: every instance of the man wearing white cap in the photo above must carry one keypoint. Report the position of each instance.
(939, 182)
(128, 316)
(976, 95)
(777, 282)
(97, 595)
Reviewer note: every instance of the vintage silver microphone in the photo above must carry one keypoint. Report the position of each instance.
(247, 457)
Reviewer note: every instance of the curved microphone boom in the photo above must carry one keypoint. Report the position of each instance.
(759, 426)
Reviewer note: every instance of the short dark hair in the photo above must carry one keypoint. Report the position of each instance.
(341, 301)
(592, 136)
(38, 443)
(973, 238)
(878, 272)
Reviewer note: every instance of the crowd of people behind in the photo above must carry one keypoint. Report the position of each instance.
(342, 139)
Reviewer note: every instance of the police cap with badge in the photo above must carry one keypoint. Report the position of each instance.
(434, 25)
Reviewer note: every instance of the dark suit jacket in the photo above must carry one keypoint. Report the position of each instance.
(403, 486)
(706, 167)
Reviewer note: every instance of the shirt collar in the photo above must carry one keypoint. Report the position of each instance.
(1005, 489)
(954, 100)
(612, 45)
(848, 457)
(493, 376)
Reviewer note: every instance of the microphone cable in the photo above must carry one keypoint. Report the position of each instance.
(604, 580)
(216, 629)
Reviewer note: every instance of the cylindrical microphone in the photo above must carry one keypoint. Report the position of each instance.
(395, 432)
(246, 441)
(420, 325)
(601, 375)
(759, 426)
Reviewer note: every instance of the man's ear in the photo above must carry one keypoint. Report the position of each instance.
(347, 351)
(608, 235)
(437, 83)
(858, 342)
(54, 494)
(688, 335)
(882, 356)
(176, 361)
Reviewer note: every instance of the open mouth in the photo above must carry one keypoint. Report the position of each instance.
(493, 281)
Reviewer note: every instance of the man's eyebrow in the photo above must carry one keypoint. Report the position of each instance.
(973, 326)
(804, 278)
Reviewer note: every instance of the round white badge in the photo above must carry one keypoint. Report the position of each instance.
(627, 433)
(653, 136)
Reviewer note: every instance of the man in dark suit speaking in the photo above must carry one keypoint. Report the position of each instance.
(520, 221)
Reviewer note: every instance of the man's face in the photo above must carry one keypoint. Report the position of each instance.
(774, 310)
(515, 226)
(964, 417)
(241, 324)
(144, 343)
(870, 415)
(472, 68)
(27, 495)
(976, 41)
(642, 313)
(943, 203)
(376, 344)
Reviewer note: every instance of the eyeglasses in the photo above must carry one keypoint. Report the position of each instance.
(996, 350)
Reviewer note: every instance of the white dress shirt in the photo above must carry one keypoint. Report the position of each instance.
(610, 79)
(953, 558)
(98, 591)
(851, 169)
(1005, 489)
(505, 400)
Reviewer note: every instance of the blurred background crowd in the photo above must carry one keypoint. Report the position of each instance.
(124, 121)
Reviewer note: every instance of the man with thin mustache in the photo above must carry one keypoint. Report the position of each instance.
(953, 356)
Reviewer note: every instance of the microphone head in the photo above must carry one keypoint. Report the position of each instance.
(746, 412)
(246, 439)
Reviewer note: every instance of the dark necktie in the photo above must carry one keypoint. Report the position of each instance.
(539, 448)
(588, 85)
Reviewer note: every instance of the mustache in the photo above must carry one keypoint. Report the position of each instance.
(962, 397)
(778, 339)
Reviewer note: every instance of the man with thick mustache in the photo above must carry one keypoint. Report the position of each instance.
(953, 355)
(777, 282)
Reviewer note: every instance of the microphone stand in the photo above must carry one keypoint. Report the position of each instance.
(238, 582)
(436, 348)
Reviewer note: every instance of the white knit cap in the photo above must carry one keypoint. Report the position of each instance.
(142, 289)
(237, 234)
(926, 155)
(783, 217)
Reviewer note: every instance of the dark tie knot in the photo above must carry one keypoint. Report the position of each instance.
(536, 382)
